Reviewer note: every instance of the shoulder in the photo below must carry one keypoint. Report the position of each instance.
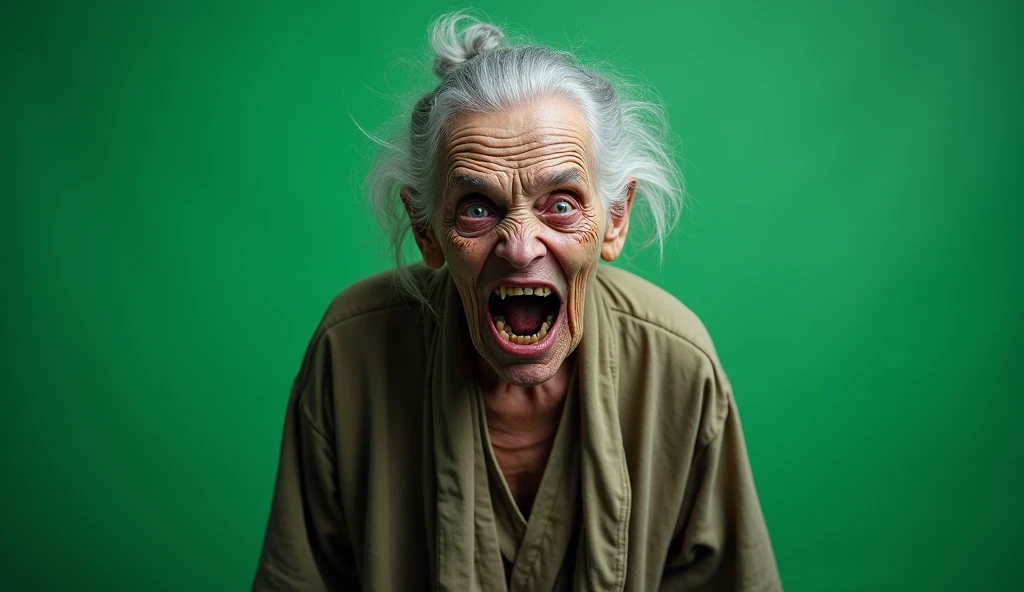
(379, 293)
(368, 323)
(666, 360)
(651, 308)
(362, 377)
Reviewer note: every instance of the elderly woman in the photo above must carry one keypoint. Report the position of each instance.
(513, 415)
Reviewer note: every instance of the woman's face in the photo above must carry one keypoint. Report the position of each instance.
(521, 227)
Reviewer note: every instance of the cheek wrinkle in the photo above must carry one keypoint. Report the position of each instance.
(457, 242)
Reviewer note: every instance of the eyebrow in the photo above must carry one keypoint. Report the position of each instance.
(470, 182)
(566, 177)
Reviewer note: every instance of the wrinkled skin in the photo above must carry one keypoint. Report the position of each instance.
(500, 218)
(511, 225)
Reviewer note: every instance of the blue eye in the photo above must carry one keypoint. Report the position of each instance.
(477, 212)
(562, 207)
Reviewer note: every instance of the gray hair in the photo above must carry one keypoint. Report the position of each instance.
(480, 72)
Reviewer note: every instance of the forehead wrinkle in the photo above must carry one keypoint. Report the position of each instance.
(525, 153)
(567, 171)
(505, 164)
(471, 176)
(495, 141)
(508, 146)
(523, 158)
(543, 121)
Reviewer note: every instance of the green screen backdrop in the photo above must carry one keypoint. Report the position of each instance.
(180, 201)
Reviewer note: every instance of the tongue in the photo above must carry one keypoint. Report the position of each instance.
(524, 315)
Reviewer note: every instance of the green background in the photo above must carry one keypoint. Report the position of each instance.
(180, 201)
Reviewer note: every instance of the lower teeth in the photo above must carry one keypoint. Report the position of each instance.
(506, 332)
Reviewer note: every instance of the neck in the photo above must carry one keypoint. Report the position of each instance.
(525, 405)
(522, 422)
(519, 417)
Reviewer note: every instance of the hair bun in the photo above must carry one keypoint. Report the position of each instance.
(454, 42)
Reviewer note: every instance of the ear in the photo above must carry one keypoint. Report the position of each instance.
(426, 240)
(618, 225)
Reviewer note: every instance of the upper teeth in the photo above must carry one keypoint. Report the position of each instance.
(504, 291)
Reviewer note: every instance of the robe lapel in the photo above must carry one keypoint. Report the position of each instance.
(604, 475)
(467, 555)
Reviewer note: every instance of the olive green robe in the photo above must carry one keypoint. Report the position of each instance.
(387, 480)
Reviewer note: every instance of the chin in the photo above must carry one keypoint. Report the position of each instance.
(525, 374)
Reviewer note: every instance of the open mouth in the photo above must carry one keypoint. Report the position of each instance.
(523, 315)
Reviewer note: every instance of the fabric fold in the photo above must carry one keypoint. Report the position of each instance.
(604, 475)
(467, 554)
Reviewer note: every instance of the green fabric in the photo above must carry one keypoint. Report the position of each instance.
(383, 481)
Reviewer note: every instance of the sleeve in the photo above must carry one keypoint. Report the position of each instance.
(306, 546)
(723, 544)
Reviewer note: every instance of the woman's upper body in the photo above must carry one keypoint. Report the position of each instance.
(511, 415)
(387, 480)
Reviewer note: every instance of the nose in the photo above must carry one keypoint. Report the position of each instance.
(520, 246)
